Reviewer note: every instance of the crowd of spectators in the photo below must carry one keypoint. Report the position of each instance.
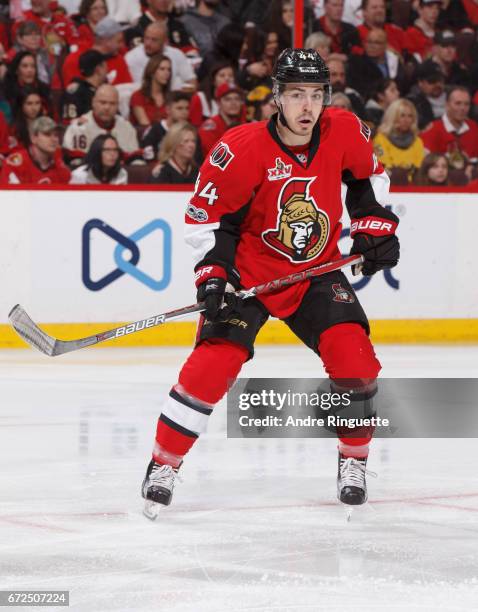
(137, 91)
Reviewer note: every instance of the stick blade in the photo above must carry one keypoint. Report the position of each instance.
(29, 331)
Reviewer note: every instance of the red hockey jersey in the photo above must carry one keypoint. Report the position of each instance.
(262, 212)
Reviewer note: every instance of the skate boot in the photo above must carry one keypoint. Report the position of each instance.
(351, 485)
(157, 488)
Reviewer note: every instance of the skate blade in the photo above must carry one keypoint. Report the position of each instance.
(151, 509)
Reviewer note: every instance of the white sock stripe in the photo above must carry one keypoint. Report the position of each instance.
(186, 417)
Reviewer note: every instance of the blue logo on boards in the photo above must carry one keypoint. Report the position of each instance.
(125, 266)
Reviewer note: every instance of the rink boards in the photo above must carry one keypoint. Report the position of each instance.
(82, 260)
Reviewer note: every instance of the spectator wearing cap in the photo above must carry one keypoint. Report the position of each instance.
(374, 16)
(176, 156)
(102, 119)
(161, 11)
(204, 23)
(90, 13)
(57, 29)
(397, 143)
(419, 37)
(365, 72)
(28, 38)
(444, 54)
(177, 111)
(336, 66)
(230, 101)
(22, 73)
(103, 164)
(428, 95)
(203, 104)
(345, 37)
(454, 134)
(148, 103)
(39, 164)
(78, 96)
(108, 41)
(154, 43)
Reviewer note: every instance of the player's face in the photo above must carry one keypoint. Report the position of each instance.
(163, 72)
(458, 106)
(97, 11)
(302, 105)
(225, 75)
(301, 235)
(231, 104)
(179, 111)
(187, 146)
(47, 142)
(109, 153)
(32, 106)
(27, 70)
(374, 14)
(438, 173)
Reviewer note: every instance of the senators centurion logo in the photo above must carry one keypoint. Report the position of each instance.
(302, 227)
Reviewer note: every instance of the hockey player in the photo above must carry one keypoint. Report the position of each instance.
(268, 202)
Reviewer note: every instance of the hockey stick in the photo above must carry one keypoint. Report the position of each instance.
(32, 334)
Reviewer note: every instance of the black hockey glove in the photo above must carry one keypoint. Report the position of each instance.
(211, 289)
(374, 238)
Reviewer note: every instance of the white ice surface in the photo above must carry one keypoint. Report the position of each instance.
(254, 526)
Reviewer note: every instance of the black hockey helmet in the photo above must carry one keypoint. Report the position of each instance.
(301, 66)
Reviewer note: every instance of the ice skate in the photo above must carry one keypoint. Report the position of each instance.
(157, 488)
(351, 483)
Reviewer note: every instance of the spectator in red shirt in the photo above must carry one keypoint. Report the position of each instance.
(345, 37)
(89, 14)
(108, 40)
(41, 163)
(374, 15)
(203, 105)
(4, 136)
(230, 100)
(57, 29)
(419, 36)
(148, 103)
(454, 134)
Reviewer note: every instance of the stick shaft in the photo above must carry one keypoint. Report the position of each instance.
(40, 340)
